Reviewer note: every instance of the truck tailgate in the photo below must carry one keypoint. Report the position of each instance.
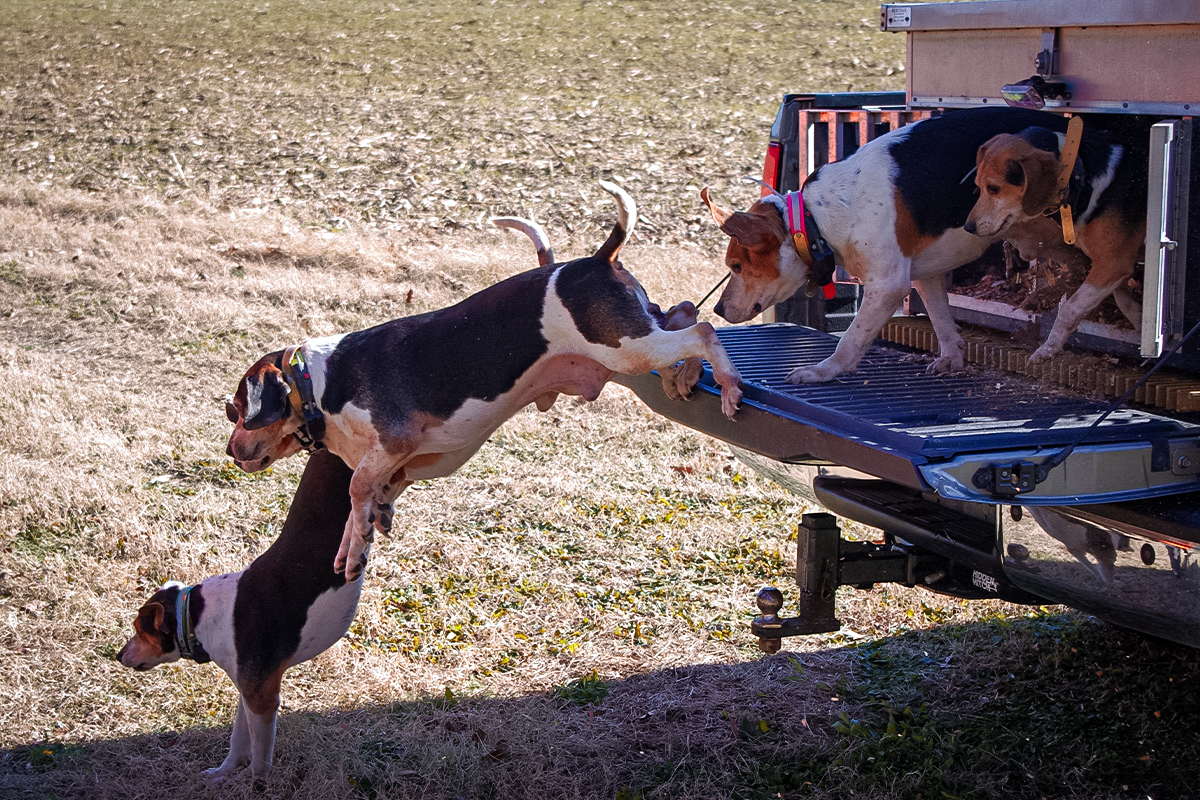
(952, 434)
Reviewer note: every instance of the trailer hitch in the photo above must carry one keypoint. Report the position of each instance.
(825, 561)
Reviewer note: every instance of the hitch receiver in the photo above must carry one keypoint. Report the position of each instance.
(825, 561)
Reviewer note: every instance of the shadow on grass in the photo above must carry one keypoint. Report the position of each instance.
(1053, 705)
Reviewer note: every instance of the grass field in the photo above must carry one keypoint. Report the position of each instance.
(184, 187)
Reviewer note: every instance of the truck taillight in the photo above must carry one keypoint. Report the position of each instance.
(770, 175)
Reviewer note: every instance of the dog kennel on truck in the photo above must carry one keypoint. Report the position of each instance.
(1075, 481)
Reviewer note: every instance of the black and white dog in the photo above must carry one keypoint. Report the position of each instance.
(415, 398)
(286, 607)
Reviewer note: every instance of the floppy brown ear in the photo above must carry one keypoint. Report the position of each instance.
(1041, 182)
(983, 148)
(751, 231)
(266, 399)
(150, 617)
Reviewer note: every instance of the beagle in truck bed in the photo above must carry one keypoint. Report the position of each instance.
(415, 398)
(902, 211)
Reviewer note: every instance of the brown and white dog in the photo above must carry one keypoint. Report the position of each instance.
(286, 607)
(1017, 177)
(894, 215)
(415, 398)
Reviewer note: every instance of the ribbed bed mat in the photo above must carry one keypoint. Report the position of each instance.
(890, 400)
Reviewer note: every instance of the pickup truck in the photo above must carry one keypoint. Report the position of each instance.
(1075, 482)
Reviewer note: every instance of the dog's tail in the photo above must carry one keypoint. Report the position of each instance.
(626, 219)
(545, 254)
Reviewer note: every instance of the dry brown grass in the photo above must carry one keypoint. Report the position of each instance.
(593, 540)
(590, 540)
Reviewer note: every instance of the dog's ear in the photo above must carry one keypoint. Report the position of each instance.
(266, 399)
(752, 231)
(719, 214)
(150, 618)
(979, 156)
(1039, 172)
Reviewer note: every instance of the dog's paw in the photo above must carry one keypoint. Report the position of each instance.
(355, 570)
(809, 375)
(224, 774)
(381, 518)
(944, 364)
(679, 379)
(1042, 355)
(731, 398)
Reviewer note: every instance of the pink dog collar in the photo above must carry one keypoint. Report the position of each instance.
(793, 202)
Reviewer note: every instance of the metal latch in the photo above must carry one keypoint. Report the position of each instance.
(1009, 480)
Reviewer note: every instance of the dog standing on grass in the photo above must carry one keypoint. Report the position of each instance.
(288, 606)
(415, 398)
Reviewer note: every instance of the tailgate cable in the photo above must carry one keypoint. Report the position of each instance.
(1009, 480)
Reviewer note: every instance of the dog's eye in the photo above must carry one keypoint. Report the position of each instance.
(231, 412)
(735, 268)
(993, 189)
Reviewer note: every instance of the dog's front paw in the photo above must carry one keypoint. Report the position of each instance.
(381, 518)
(349, 551)
(679, 379)
(731, 398)
(944, 364)
(224, 774)
(1042, 354)
(814, 374)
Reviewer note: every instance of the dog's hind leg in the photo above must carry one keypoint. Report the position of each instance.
(1128, 305)
(950, 342)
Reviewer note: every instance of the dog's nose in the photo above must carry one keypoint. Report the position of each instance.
(719, 309)
(229, 449)
(969, 226)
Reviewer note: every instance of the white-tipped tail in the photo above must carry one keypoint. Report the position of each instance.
(534, 231)
(626, 208)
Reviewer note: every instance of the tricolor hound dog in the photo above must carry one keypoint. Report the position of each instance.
(1103, 198)
(893, 215)
(286, 607)
(415, 398)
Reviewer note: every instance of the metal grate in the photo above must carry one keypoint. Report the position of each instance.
(890, 400)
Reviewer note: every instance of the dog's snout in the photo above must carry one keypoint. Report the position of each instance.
(719, 309)
(969, 226)
(229, 449)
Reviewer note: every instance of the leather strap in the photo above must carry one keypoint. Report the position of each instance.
(1070, 152)
(303, 400)
(185, 634)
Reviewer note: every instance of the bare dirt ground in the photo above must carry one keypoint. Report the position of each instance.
(184, 187)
